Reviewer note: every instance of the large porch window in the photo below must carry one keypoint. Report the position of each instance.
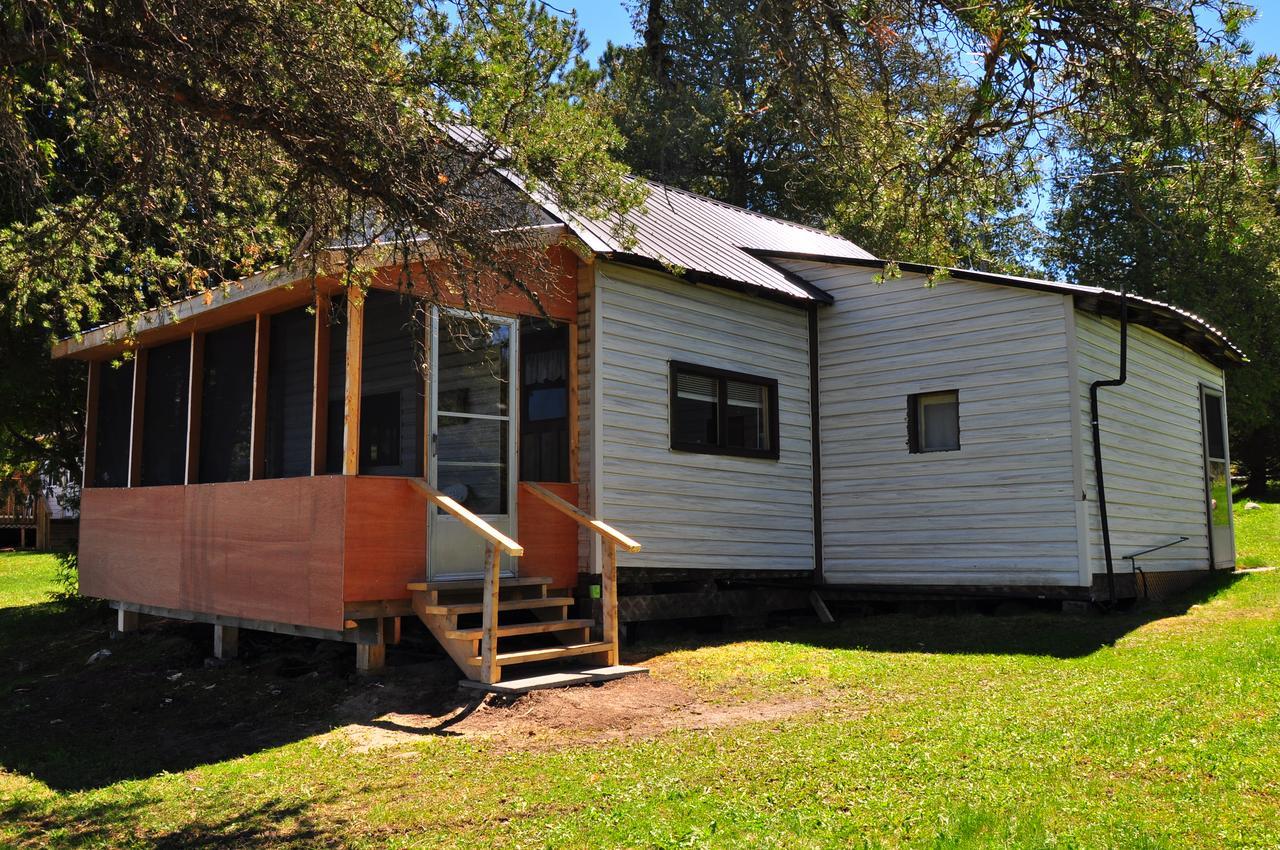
(164, 419)
(227, 404)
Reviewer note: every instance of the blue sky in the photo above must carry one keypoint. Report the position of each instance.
(605, 20)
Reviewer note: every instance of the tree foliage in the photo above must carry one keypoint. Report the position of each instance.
(152, 149)
(931, 130)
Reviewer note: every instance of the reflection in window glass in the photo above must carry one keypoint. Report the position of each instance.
(745, 420)
(697, 413)
(544, 400)
(473, 366)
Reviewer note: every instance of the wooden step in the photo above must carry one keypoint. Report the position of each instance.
(530, 655)
(504, 605)
(478, 584)
(522, 629)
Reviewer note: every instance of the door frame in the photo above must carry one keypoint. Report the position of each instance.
(1206, 390)
(513, 423)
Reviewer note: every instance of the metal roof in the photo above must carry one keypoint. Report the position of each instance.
(1174, 322)
(707, 240)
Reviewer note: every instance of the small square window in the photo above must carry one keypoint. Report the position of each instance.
(933, 422)
(714, 411)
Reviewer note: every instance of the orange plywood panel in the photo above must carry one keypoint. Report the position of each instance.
(550, 538)
(266, 550)
(131, 543)
(386, 538)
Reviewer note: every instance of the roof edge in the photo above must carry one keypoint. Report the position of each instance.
(1166, 319)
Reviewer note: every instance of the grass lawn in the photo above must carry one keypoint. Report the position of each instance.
(25, 578)
(1158, 727)
(1258, 532)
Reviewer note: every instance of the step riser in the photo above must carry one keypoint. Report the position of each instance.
(453, 612)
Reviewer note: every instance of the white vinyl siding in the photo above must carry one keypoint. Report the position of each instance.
(1152, 454)
(1001, 509)
(693, 510)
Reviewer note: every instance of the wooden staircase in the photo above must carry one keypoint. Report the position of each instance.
(493, 622)
(538, 624)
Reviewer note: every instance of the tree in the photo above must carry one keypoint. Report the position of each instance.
(1172, 201)
(915, 127)
(714, 102)
(155, 149)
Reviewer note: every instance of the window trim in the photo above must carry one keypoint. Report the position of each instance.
(722, 376)
(915, 443)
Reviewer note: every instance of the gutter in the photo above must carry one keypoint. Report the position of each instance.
(1098, 477)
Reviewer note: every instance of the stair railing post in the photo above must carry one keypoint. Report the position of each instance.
(489, 671)
(609, 598)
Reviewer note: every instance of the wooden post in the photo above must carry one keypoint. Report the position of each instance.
(127, 621)
(371, 657)
(320, 389)
(490, 672)
(226, 642)
(258, 428)
(609, 598)
(92, 390)
(351, 407)
(136, 417)
(195, 407)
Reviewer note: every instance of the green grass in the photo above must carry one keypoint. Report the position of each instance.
(1158, 727)
(25, 579)
(1257, 533)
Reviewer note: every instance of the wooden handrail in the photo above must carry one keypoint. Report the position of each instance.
(582, 517)
(611, 539)
(475, 523)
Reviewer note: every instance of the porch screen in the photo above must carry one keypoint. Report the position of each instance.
(164, 417)
(337, 384)
(227, 408)
(392, 387)
(111, 442)
(544, 400)
(289, 394)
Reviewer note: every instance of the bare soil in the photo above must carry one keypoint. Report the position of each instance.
(631, 708)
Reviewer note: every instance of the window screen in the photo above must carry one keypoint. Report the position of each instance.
(933, 422)
(289, 394)
(1214, 435)
(544, 400)
(337, 384)
(227, 406)
(111, 440)
(164, 418)
(714, 411)
(393, 389)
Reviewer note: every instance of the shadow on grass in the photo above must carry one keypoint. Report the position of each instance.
(108, 824)
(155, 704)
(1012, 629)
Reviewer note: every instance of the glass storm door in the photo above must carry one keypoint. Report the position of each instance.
(1217, 475)
(472, 437)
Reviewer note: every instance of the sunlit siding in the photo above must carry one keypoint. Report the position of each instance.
(1152, 455)
(689, 510)
(1001, 510)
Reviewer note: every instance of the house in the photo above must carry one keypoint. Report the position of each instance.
(731, 400)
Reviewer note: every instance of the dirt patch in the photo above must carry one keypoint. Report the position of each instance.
(636, 707)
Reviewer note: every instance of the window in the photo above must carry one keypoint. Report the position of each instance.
(544, 400)
(289, 387)
(714, 411)
(933, 422)
(227, 410)
(111, 443)
(164, 414)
